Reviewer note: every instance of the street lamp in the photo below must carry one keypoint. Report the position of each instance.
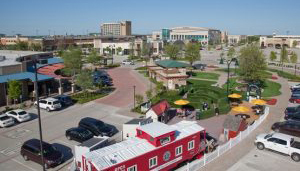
(112, 54)
(134, 97)
(36, 89)
(228, 67)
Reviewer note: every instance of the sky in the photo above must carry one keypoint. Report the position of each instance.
(250, 17)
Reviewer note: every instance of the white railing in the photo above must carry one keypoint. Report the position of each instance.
(208, 157)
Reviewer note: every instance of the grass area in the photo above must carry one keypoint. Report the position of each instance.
(271, 89)
(207, 75)
(200, 82)
(289, 76)
(141, 68)
(144, 72)
(232, 84)
(84, 97)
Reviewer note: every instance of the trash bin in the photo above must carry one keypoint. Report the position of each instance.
(198, 113)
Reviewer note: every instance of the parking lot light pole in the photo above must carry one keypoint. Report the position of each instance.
(38, 111)
(134, 97)
(228, 67)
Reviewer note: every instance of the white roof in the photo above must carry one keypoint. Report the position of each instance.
(18, 110)
(156, 129)
(282, 136)
(51, 99)
(11, 56)
(134, 147)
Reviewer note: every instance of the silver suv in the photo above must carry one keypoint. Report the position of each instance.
(49, 104)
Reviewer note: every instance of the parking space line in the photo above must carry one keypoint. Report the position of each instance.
(24, 165)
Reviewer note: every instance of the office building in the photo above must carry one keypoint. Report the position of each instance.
(118, 29)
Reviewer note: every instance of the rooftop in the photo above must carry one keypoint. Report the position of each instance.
(171, 64)
(23, 76)
(156, 129)
(133, 147)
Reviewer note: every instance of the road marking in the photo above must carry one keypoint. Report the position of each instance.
(11, 150)
(24, 165)
(18, 133)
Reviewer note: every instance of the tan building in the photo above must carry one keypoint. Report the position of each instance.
(235, 39)
(224, 36)
(279, 40)
(13, 40)
(118, 29)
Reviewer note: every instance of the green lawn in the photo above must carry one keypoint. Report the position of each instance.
(201, 82)
(271, 89)
(207, 75)
(140, 68)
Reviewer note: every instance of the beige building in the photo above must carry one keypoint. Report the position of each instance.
(224, 36)
(13, 40)
(235, 39)
(279, 40)
(118, 29)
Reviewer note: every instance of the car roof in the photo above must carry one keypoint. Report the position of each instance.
(50, 99)
(282, 136)
(77, 129)
(88, 119)
(35, 143)
(18, 110)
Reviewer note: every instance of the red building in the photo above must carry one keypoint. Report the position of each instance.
(157, 147)
(233, 125)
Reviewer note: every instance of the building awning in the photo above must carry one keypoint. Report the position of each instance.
(171, 64)
(23, 76)
(50, 61)
(50, 70)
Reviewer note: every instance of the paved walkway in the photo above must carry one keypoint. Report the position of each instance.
(233, 156)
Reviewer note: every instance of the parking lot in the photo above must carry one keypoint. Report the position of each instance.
(54, 125)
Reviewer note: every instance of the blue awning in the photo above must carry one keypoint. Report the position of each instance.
(54, 60)
(23, 76)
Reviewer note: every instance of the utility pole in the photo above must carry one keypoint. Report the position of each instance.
(134, 97)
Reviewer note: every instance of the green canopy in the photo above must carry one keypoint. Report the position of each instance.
(171, 64)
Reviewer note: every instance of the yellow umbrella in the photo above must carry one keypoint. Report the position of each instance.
(181, 102)
(235, 96)
(241, 109)
(258, 102)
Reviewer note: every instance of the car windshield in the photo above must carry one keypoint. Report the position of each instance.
(48, 150)
(22, 113)
(56, 102)
(3, 118)
(85, 132)
(100, 125)
(268, 136)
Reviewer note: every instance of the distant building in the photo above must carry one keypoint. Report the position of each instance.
(279, 40)
(235, 39)
(12, 40)
(224, 36)
(118, 29)
(200, 34)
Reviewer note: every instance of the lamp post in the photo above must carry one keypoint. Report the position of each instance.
(36, 89)
(228, 67)
(134, 97)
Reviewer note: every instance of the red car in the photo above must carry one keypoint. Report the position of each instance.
(295, 99)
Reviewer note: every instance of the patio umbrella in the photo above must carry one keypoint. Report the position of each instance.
(241, 109)
(258, 102)
(181, 102)
(235, 96)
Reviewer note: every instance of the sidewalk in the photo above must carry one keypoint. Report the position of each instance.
(233, 156)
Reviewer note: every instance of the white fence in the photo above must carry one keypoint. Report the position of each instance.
(207, 158)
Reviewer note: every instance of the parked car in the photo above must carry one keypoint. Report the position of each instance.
(289, 127)
(291, 110)
(6, 121)
(295, 89)
(30, 150)
(64, 100)
(279, 142)
(49, 104)
(294, 99)
(79, 134)
(19, 115)
(199, 66)
(97, 127)
(295, 86)
(294, 117)
(128, 62)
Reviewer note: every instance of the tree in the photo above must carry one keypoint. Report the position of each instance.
(146, 49)
(295, 43)
(94, 58)
(294, 59)
(20, 45)
(231, 53)
(283, 56)
(252, 63)
(131, 55)
(221, 58)
(84, 80)
(159, 87)
(107, 49)
(73, 60)
(36, 47)
(119, 49)
(172, 51)
(192, 52)
(149, 94)
(14, 89)
(139, 99)
(273, 56)
(252, 39)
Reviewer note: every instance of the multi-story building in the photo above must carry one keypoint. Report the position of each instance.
(235, 39)
(280, 40)
(119, 29)
(224, 36)
(12, 40)
(200, 34)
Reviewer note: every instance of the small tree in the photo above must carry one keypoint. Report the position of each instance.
(119, 49)
(36, 47)
(73, 60)
(231, 53)
(107, 49)
(192, 52)
(159, 87)
(139, 99)
(172, 51)
(283, 56)
(84, 80)
(221, 58)
(145, 49)
(273, 56)
(94, 58)
(294, 59)
(295, 43)
(20, 45)
(149, 94)
(14, 89)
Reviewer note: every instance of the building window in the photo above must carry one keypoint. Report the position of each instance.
(178, 150)
(132, 168)
(153, 162)
(165, 140)
(191, 145)
(167, 156)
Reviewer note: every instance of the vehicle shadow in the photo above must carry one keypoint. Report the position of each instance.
(67, 151)
(114, 128)
(33, 116)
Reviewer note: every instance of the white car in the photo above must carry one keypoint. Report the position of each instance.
(6, 121)
(19, 115)
(295, 86)
(128, 62)
(279, 142)
(49, 104)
